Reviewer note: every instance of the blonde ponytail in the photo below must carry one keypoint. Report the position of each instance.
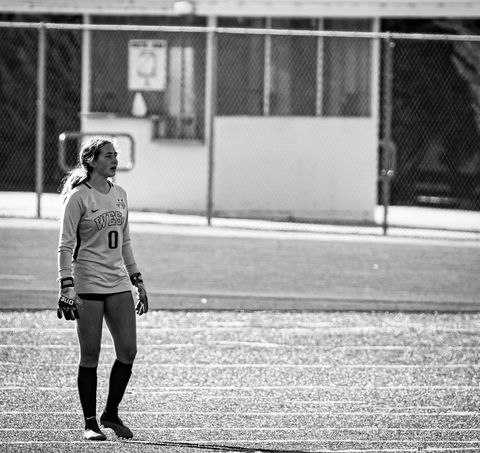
(74, 179)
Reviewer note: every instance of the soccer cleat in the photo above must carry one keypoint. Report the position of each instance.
(92, 431)
(113, 421)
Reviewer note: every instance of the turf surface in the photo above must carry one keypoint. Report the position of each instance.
(264, 376)
(254, 381)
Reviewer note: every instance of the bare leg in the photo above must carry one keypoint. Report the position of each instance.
(89, 331)
(120, 319)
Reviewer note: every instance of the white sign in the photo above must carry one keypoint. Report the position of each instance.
(147, 64)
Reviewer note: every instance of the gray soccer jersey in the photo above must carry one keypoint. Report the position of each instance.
(95, 234)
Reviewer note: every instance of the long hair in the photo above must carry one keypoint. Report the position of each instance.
(88, 154)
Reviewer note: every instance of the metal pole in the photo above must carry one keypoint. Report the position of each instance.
(40, 134)
(267, 76)
(387, 146)
(86, 72)
(319, 75)
(210, 109)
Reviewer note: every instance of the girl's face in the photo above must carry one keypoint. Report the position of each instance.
(106, 162)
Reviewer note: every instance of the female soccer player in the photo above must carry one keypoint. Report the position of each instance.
(96, 271)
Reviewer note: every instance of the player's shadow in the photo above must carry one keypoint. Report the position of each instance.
(214, 447)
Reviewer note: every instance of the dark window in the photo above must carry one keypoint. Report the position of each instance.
(347, 70)
(240, 69)
(293, 77)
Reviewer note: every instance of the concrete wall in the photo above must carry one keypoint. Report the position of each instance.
(169, 175)
(311, 168)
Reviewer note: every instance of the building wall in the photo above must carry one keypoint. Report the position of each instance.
(306, 168)
(168, 175)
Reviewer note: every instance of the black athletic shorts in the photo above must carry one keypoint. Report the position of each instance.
(95, 296)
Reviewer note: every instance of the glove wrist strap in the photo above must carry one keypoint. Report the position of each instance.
(66, 282)
(136, 278)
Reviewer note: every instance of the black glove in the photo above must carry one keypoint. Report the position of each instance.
(141, 293)
(68, 301)
(68, 307)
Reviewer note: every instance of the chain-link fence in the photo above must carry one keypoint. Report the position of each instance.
(406, 109)
(435, 123)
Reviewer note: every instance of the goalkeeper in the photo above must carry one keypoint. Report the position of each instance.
(96, 272)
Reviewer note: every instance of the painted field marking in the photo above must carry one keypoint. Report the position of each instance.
(273, 366)
(195, 388)
(285, 414)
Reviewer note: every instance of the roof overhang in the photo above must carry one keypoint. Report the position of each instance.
(253, 8)
(340, 8)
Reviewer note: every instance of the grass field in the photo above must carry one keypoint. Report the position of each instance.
(276, 359)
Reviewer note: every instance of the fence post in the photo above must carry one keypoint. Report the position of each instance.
(86, 70)
(40, 134)
(386, 144)
(267, 75)
(210, 109)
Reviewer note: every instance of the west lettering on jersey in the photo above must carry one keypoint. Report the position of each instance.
(109, 218)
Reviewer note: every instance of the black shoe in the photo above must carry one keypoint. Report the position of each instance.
(113, 421)
(92, 431)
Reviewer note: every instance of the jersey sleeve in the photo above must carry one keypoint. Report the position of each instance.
(71, 215)
(127, 251)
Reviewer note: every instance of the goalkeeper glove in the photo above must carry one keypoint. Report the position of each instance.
(68, 301)
(141, 293)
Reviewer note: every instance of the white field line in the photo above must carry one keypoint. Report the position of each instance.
(215, 344)
(363, 405)
(295, 403)
(287, 429)
(351, 330)
(421, 410)
(250, 389)
(287, 414)
(271, 366)
(332, 348)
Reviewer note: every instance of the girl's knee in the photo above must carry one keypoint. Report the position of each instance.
(89, 358)
(127, 355)
(88, 363)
